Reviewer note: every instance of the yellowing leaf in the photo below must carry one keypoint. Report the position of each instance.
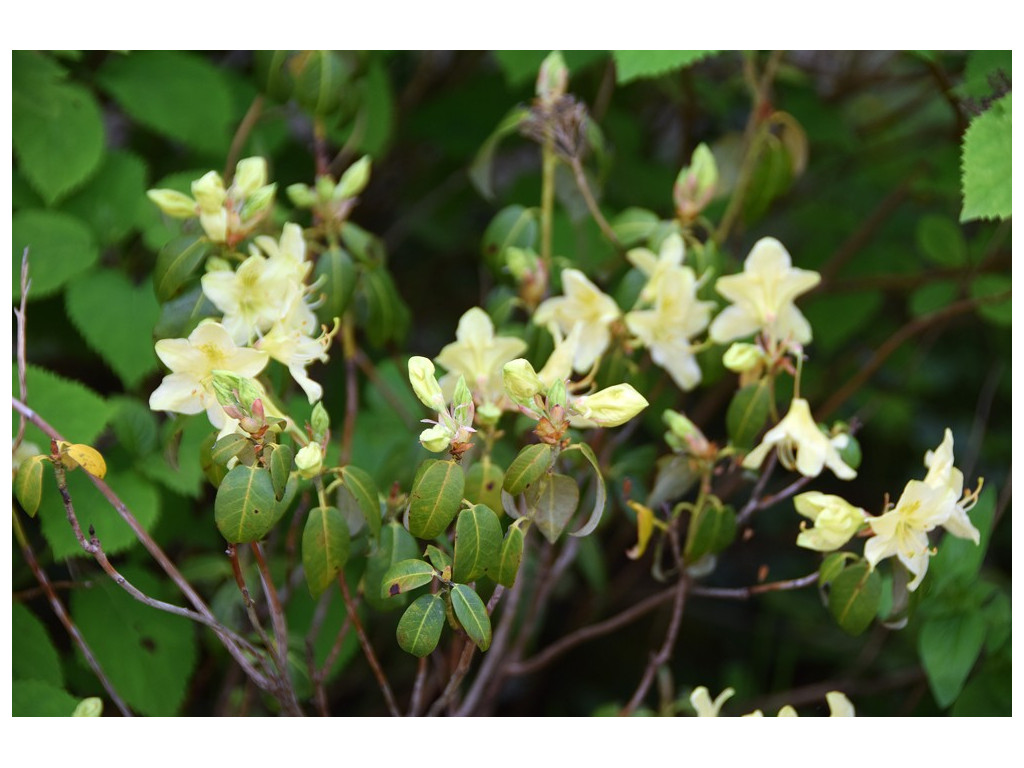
(644, 529)
(84, 456)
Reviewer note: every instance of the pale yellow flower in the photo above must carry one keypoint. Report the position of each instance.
(290, 341)
(559, 364)
(249, 299)
(835, 521)
(611, 406)
(286, 258)
(424, 383)
(478, 355)
(762, 297)
(942, 474)
(903, 531)
(666, 329)
(839, 705)
(188, 388)
(584, 303)
(669, 259)
(704, 706)
(801, 445)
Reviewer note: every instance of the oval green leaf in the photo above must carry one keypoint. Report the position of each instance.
(325, 547)
(600, 493)
(338, 272)
(711, 531)
(511, 555)
(405, 576)
(854, 597)
(245, 505)
(364, 490)
(176, 263)
(532, 462)
(435, 497)
(472, 615)
(552, 504)
(228, 447)
(747, 414)
(281, 457)
(477, 543)
(395, 544)
(483, 483)
(28, 483)
(419, 629)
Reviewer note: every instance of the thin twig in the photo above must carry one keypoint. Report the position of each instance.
(65, 619)
(245, 127)
(592, 206)
(418, 687)
(277, 620)
(745, 593)
(371, 657)
(24, 595)
(250, 605)
(785, 493)
(22, 316)
(755, 495)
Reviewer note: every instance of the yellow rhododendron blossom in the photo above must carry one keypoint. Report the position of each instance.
(666, 329)
(610, 407)
(192, 361)
(669, 259)
(801, 445)
(839, 705)
(835, 521)
(478, 355)
(290, 342)
(560, 361)
(942, 474)
(762, 297)
(704, 706)
(584, 303)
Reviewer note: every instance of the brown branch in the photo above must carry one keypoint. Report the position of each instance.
(277, 620)
(22, 316)
(250, 605)
(755, 495)
(904, 334)
(245, 127)
(65, 619)
(351, 389)
(24, 595)
(371, 657)
(418, 688)
(592, 206)
(745, 593)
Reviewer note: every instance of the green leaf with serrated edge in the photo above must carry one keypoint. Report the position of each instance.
(147, 655)
(28, 483)
(405, 576)
(113, 198)
(949, 646)
(281, 457)
(228, 447)
(941, 241)
(747, 414)
(134, 425)
(438, 558)
(94, 510)
(325, 547)
(483, 483)
(634, 65)
(854, 596)
(552, 502)
(993, 293)
(711, 531)
(60, 248)
(512, 226)
(33, 656)
(58, 136)
(511, 555)
(600, 492)
(177, 261)
(477, 543)
(634, 225)
(420, 627)
(193, 103)
(35, 698)
(245, 504)
(364, 491)
(116, 318)
(395, 544)
(987, 170)
(833, 565)
(435, 497)
(528, 466)
(472, 615)
(75, 411)
(338, 272)
(480, 169)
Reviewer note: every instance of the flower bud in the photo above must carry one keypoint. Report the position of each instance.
(521, 262)
(521, 381)
(250, 175)
(215, 225)
(354, 180)
(319, 421)
(436, 439)
(685, 435)
(835, 521)
(695, 185)
(424, 384)
(553, 78)
(232, 389)
(173, 203)
(557, 396)
(742, 357)
(90, 707)
(462, 403)
(301, 196)
(324, 188)
(309, 460)
(209, 192)
(217, 264)
(488, 414)
(258, 203)
(612, 406)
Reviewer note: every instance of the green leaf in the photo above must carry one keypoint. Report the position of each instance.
(176, 263)
(711, 531)
(998, 311)
(600, 493)
(832, 566)
(116, 319)
(987, 170)
(483, 483)
(941, 241)
(113, 200)
(385, 316)
(35, 698)
(364, 491)
(178, 468)
(634, 65)
(134, 425)
(148, 655)
(634, 225)
(57, 131)
(192, 103)
(395, 544)
(472, 615)
(28, 483)
(477, 543)
(933, 297)
(377, 110)
(512, 226)
(511, 555)
(405, 576)
(529, 465)
(438, 558)
(78, 413)
(280, 468)
(228, 447)
(988, 693)
(323, 78)
(435, 497)
(959, 560)
(948, 647)
(419, 629)
(325, 547)
(180, 316)
(245, 505)
(33, 656)
(854, 597)
(676, 476)
(94, 510)
(338, 272)
(552, 503)
(60, 248)
(747, 413)
(480, 169)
